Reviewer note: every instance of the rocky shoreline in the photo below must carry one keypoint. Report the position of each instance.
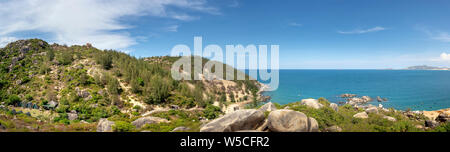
(269, 118)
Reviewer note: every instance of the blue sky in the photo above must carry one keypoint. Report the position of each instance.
(326, 34)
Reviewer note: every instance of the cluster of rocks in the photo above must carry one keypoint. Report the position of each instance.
(353, 99)
(359, 100)
(104, 125)
(83, 94)
(254, 120)
(348, 95)
(379, 99)
(372, 109)
(443, 117)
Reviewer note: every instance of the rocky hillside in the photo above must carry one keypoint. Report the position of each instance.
(60, 85)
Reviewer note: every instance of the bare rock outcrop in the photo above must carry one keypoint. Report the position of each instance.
(248, 119)
(334, 106)
(361, 115)
(104, 125)
(291, 121)
(268, 107)
(313, 103)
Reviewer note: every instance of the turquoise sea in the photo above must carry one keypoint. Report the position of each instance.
(418, 90)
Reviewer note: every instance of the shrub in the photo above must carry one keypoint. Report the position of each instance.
(66, 58)
(29, 97)
(443, 128)
(123, 126)
(13, 100)
(211, 112)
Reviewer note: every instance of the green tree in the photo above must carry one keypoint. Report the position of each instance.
(50, 55)
(159, 90)
(105, 60)
(113, 86)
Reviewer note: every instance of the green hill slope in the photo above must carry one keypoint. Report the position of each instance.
(52, 82)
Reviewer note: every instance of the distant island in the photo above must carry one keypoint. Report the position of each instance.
(425, 67)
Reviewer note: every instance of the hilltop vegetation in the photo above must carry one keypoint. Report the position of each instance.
(82, 84)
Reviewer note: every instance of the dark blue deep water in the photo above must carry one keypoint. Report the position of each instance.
(418, 90)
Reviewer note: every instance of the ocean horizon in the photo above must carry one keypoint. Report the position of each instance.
(404, 89)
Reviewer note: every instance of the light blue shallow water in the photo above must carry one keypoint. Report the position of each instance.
(418, 90)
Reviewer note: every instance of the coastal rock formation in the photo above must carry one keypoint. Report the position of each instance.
(333, 129)
(334, 106)
(291, 121)
(248, 119)
(443, 117)
(104, 125)
(148, 120)
(355, 100)
(313, 103)
(372, 110)
(348, 95)
(390, 118)
(366, 98)
(379, 99)
(431, 123)
(268, 107)
(362, 115)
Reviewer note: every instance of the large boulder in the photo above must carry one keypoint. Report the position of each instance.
(268, 107)
(372, 110)
(248, 131)
(334, 106)
(313, 103)
(366, 98)
(248, 119)
(291, 121)
(333, 129)
(139, 123)
(361, 115)
(104, 125)
(181, 129)
(443, 117)
(431, 123)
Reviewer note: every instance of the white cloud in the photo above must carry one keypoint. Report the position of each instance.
(434, 34)
(442, 36)
(359, 31)
(172, 28)
(445, 56)
(94, 21)
(5, 40)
